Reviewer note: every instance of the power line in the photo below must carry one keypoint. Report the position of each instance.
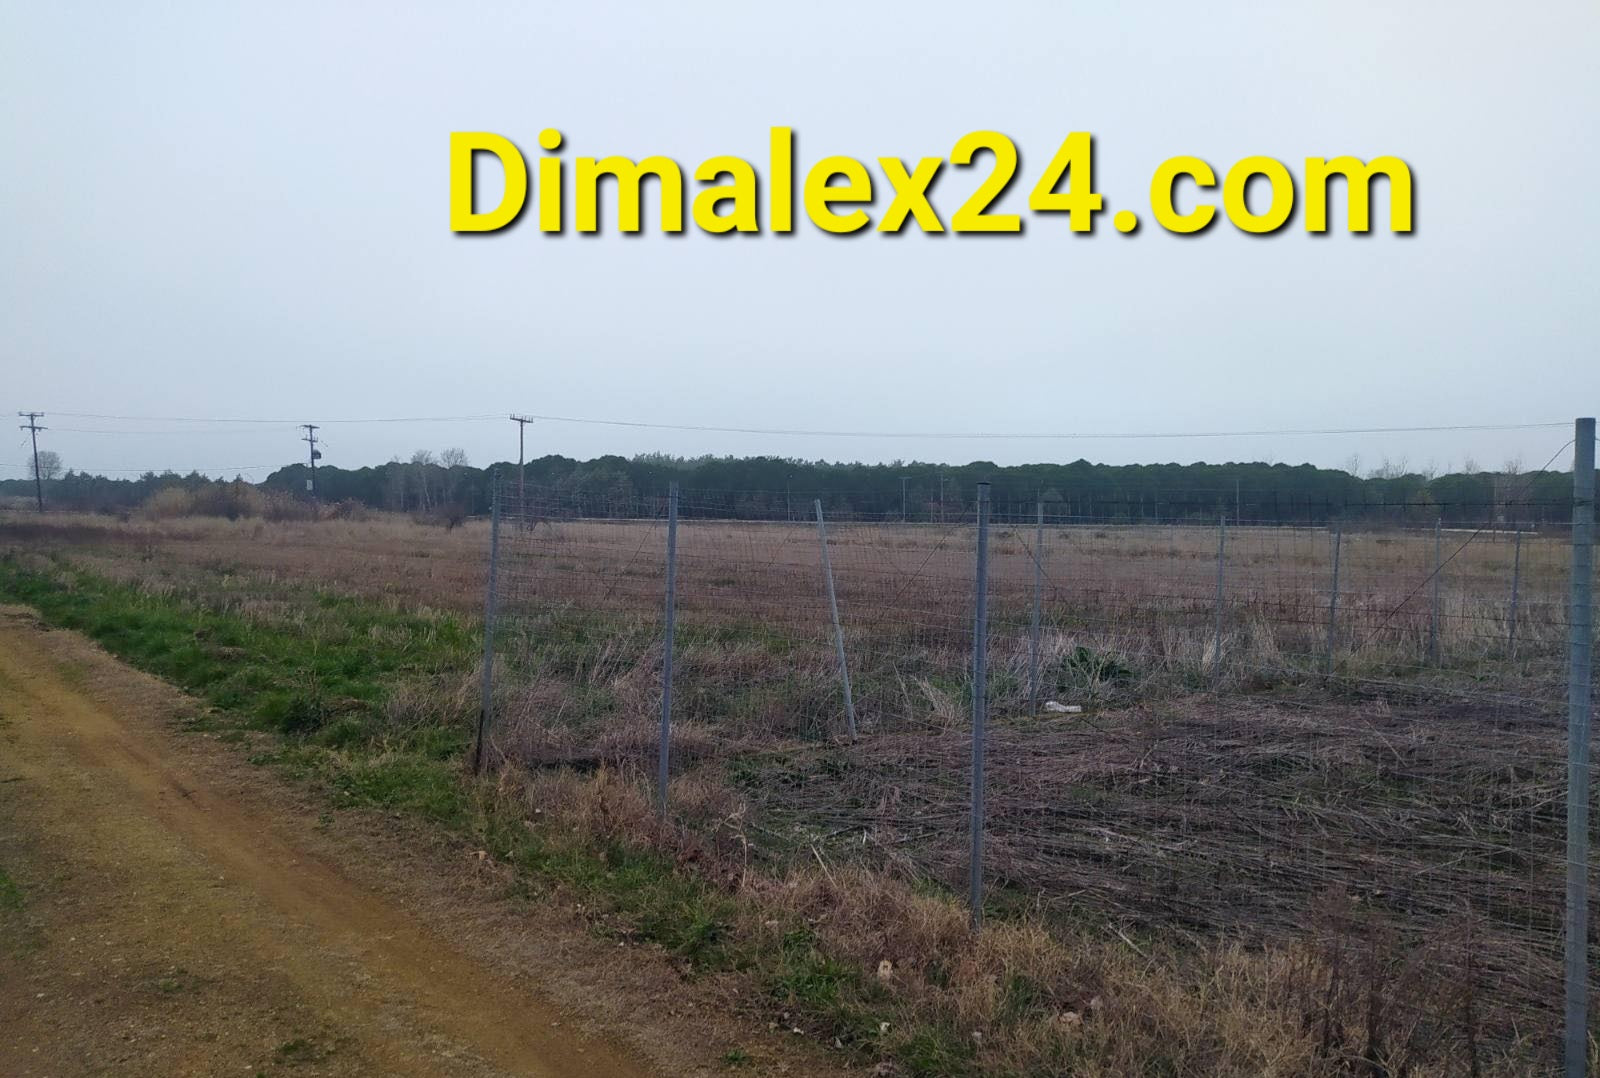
(165, 470)
(184, 433)
(1054, 436)
(279, 422)
(823, 433)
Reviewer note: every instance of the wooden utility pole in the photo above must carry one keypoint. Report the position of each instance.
(522, 422)
(33, 428)
(311, 440)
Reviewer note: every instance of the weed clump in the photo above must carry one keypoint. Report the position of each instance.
(297, 714)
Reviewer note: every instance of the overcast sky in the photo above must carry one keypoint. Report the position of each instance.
(216, 213)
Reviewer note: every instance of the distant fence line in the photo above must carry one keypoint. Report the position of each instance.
(1086, 511)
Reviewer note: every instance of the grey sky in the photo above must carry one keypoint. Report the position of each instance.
(213, 212)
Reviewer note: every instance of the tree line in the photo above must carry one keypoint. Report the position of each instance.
(447, 485)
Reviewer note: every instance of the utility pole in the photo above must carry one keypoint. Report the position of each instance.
(311, 440)
(522, 422)
(903, 479)
(33, 428)
(941, 499)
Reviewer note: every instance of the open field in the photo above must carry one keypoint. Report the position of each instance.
(1378, 850)
(1116, 580)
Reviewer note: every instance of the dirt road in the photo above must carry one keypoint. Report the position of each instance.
(155, 922)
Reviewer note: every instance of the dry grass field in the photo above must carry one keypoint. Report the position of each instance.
(1110, 580)
(1377, 851)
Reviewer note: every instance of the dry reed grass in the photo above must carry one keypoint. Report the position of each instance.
(1029, 998)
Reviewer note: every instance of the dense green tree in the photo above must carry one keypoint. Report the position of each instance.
(782, 487)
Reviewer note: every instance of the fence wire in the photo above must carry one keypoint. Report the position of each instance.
(1347, 736)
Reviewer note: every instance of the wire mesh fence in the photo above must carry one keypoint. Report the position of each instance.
(1348, 736)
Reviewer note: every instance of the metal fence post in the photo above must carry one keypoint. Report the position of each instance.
(838, 630)
(1516, 590)
(1433, 605)
(980, 710)
(663, 749)
(486, 706)
(1333, 601)
(1581, 635)
(1038, 602)
(1222, 546)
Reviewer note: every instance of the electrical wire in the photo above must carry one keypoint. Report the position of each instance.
(823, 433)
(276, 422)
(1055, 436)
(164, 470)
(183, 433)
